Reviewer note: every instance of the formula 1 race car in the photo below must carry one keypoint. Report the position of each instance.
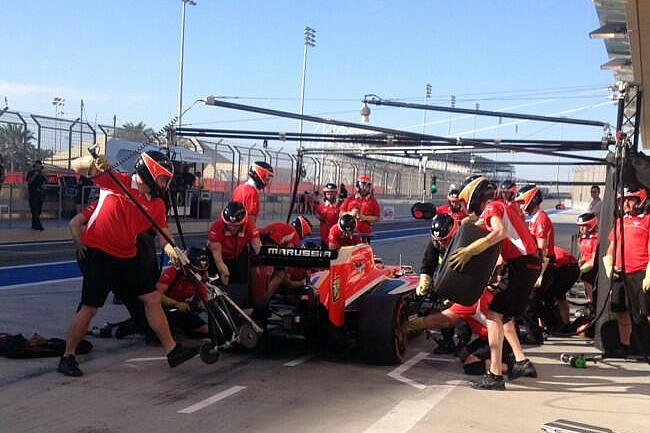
(352, 299)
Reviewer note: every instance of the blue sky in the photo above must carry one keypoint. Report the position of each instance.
(121, 57)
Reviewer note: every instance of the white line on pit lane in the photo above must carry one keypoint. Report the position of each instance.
(398, 372)
(152, 358)
(39, 283)
(37, 264)
(298, 361)
(211, 400)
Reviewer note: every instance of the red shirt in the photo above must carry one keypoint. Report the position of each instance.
(541, 227)
(476, 314)
(515, 206)
(519, 241)
(337, 239)
(249, 196)
(183, 289)
(115, 221)
(232, 245)
(329, 212)
(588, 245)
(282, 234)
(563, 257)
(367, 206)
(636, 233)
(458, 216)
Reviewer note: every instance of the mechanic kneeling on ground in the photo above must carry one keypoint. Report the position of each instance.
(521, 266)
(631, 288)
(228, 241)
(111, 260)
(180, 300)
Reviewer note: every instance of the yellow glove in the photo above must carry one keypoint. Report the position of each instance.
(183, 307)
(173, 256)
(168, 303)
(224, 273)
(414, 325)
(424, 285)
(355, 212)
(608, 263)
(102, 163)
(538, 283)
(646, 280)
(463, 255)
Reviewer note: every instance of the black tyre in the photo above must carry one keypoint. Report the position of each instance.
(381, 334)
(209, 354)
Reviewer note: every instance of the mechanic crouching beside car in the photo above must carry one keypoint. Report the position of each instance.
(228, 241)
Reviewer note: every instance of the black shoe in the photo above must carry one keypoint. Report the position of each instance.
(180, 354)
(523, 368)
(152, 340)
(564, 330)
(621, 352)
(531, 339)
(69, 366)
(445, 347)
(490, 381)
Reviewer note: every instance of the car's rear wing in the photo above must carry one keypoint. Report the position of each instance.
(294, 257)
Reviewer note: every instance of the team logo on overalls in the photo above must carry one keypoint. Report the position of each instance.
(336, 289)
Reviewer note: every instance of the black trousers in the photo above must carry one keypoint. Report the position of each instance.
(35, 207)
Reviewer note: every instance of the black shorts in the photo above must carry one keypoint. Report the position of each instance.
(187, 322)
(103, 273)
(590, 276)
(518, 280)
(637, 301)
(565, 278)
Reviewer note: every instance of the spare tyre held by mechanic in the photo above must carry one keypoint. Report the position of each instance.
(228, 241)
(522, 265)
(363, 206)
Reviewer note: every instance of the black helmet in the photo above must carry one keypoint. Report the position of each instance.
(330, 187)
(302, 225)
(347, 223)
(311, 245)
(261, 172)
(443, 226)
(234, 213)
(507, 189)
(476, 191)
(589, 220)
(150, 166)
(198, 258)
(531, 197)
(454, 199)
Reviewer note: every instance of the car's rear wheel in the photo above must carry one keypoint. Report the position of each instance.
(382, 336)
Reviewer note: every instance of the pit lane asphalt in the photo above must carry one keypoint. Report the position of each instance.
(128, 388)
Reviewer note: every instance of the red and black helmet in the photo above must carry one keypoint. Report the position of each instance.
(347, 223)
(530, 196)
(198, 258)
(476, 191)
(261, 172)
(152, 165)
(507, 190)
(635, 191)
(588, 220)
(443, 227)
(330, 187)
(364, 185)
(234, 213)
(302, 225)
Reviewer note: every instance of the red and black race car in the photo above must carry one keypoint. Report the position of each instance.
(352, 298)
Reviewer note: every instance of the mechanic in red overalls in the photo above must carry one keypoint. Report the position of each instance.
(541, 227)
(342, 233)
(228, 241)
(328, 212)
(588, 245)
(631, 304)
(260, 175)
(457, 208)
(179, 297)
(363, 206)
(521, 266)
(287, 235)
(111, 261)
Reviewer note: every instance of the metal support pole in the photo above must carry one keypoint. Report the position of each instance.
(70, 141)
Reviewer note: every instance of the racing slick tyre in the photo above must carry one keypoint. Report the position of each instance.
(382, 336)
(209, 354)
(467, 286)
